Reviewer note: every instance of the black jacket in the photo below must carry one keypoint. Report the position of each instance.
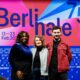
(20, 58)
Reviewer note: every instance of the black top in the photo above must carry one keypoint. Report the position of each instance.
(20, 58)
(54, 58)
(36, 63)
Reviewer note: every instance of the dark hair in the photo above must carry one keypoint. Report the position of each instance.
(20, 35)
(41, 39)
(56, 27)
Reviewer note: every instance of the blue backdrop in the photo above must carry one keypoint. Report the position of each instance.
(73, 74)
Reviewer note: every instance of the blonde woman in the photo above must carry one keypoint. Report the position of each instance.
(40, 54)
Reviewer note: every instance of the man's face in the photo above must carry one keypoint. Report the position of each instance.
(56, 33)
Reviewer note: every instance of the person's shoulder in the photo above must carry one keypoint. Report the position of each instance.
(49, 44)
(45, 49)
(65, 43)
(34, 48)
(16, 45)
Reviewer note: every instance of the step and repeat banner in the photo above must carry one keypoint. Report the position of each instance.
(38, 17)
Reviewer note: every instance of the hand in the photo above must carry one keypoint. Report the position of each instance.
(19, 74)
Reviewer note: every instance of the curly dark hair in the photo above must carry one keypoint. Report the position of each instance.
(20, 35)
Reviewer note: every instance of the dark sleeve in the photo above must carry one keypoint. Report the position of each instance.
(13, 58)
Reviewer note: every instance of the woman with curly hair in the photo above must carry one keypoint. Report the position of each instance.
(20, 58)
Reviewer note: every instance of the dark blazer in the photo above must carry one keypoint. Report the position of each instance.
(20, 58)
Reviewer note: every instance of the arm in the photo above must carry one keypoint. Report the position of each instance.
(45, 60)
(69, 53)
(13, 58)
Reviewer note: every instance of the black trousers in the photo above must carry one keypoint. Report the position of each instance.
(57, 75)
(37, 75)
(44, 77)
